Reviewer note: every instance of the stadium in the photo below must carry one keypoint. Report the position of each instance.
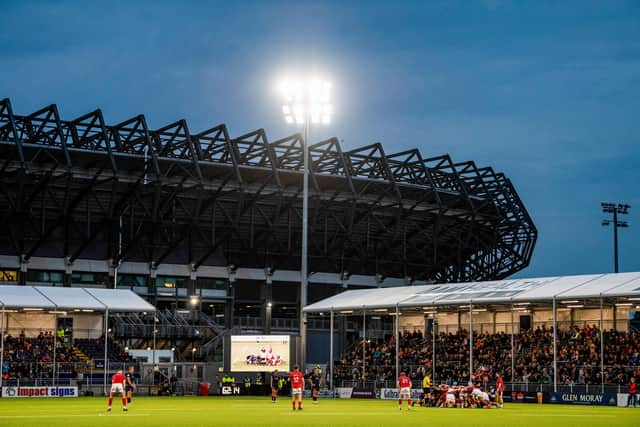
(319, 213)
(177, 253)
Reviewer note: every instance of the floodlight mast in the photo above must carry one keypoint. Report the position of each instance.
(306, 102)
(615, 209)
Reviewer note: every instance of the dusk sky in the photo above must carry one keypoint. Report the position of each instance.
(546, 92)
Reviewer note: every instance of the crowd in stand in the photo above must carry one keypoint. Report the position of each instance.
(578, 357)
(30, 357)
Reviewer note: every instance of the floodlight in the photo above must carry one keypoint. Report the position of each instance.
(306, 100)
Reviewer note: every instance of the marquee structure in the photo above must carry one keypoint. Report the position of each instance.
(32, 300)
(568, 292)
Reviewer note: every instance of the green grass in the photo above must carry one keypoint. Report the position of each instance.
(236, 411)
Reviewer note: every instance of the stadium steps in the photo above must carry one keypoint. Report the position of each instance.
(82, 356)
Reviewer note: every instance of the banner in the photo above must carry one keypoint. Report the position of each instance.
(39, 391)
(321, 393)
(363, 393)
(344, 392)
(606, 399)
(392, 393)
(524, 397)
(623, 398)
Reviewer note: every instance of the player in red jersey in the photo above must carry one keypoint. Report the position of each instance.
(117, 386)
(404, 390)
(499, 390)
(297, 385)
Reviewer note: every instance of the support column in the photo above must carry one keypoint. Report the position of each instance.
(22, 278)
(397, 332)
(470, 342)
(495, 314)
(331, 386)
(229, 305)
(601, 347)
(434, 325)
(2, 320)
(364, 345)
(106, 339)
(154, 364)
(513, 348)
(151, 284)
(112, 273)
(55, 345)
(191, 284)
(267, 298)
(555, 348)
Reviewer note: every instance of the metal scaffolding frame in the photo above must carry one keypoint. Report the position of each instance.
(83, 189)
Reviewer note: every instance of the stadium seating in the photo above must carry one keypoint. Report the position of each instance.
(29, 359)
(578, 357)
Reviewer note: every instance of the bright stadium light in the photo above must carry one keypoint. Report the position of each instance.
(305, 102)
(194, 300)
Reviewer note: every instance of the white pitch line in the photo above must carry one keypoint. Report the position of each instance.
(563, 415)
(75, 416)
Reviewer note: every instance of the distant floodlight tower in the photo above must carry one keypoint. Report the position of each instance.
(615, 209)
(305, 102)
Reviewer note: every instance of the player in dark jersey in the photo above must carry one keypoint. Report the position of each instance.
(130, 383)
(275, 385)
(315, 381)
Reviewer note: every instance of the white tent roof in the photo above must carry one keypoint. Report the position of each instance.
(495, 292)
(52, 298)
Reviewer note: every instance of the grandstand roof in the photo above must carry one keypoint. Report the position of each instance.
(56, 298)
(492, 292)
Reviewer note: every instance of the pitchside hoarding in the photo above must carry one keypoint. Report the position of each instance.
(39, 391)
(392, 393)
(260, 353)
(606, 399)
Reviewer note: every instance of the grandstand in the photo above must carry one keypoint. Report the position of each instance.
(553, 333)
(37, 349)
(206, 226)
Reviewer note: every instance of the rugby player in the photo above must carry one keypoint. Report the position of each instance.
(499, 390)
(130, 385)
(297, 385)
(315, 380)
(117, 386)
(404, 390)
(275, 385)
